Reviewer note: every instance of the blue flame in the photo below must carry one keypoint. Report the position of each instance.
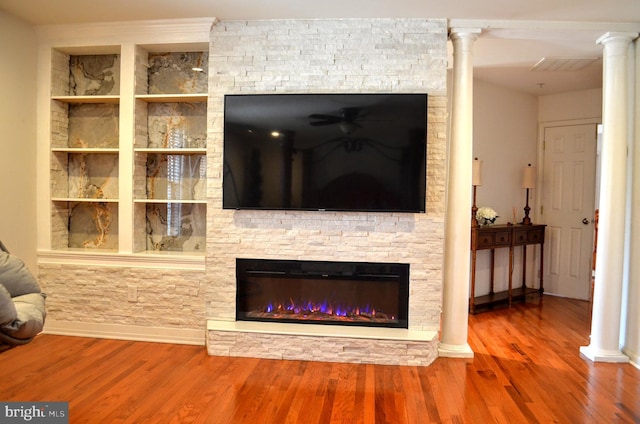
(308, 308)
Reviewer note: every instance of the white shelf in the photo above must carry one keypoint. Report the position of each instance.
(87, 99)
(86, 150)
(167, 201)
(173, 151)
(173, 98)
(83, 199)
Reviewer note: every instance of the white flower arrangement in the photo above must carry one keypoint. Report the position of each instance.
(486, 215)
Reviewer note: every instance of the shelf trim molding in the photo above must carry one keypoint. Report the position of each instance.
(155, 260)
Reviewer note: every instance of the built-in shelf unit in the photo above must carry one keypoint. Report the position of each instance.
(127, 144)
(85, 150)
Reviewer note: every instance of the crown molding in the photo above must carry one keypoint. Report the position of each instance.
(544, 25)
(140, 32)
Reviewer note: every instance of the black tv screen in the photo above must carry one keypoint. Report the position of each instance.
(335, 152)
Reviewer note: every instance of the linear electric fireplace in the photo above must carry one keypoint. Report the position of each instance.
(317, 292)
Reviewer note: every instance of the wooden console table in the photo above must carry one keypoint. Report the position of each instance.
(505, 236)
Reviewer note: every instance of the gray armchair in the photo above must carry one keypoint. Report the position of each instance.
(22, 303)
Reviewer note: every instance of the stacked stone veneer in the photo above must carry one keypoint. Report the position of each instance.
(306, 56)
(98, 294)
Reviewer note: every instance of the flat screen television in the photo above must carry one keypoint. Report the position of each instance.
(334, 152)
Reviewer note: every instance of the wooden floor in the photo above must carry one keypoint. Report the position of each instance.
(526, 369)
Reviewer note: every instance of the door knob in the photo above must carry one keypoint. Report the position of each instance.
(585, 221)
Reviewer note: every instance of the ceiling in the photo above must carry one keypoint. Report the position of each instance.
(516, 34)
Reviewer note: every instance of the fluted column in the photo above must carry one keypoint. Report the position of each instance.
(455, 298)
(607, 298)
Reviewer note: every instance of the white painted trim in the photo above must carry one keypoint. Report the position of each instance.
(565, 123)
(544, 25)
(187, 336)
(634, 358)
(598, 355)
(446, 350)
(172, 260)
(155, 32)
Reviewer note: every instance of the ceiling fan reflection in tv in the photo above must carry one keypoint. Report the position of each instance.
(347, 152)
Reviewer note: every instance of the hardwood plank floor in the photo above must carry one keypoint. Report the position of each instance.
(526, 369)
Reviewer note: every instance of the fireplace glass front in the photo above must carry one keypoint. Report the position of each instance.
(315, 292)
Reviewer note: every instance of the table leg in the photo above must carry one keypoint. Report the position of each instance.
(541, 268)
(473, 282)
(510, 272)
(493, 263)
(524, 267)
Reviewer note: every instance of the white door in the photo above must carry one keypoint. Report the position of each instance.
(568, 204)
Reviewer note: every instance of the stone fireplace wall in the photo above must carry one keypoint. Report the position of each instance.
(304, 56)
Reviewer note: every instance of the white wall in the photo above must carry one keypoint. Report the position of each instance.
(584, 104)
(18, 139)
(505, 139)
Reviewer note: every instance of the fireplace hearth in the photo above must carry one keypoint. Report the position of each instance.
(320, 292)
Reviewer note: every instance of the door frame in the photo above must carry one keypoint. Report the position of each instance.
(542, 127)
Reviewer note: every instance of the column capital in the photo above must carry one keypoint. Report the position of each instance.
(469, 33)
(610, 36)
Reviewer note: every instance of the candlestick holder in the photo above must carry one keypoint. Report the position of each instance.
(476, 180)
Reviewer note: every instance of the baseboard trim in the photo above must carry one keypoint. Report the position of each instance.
(634, 358)
(127, 332)
(446, 350)
(599, 355)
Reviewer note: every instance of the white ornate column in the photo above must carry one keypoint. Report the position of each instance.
(455, 298)
(607, 298)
